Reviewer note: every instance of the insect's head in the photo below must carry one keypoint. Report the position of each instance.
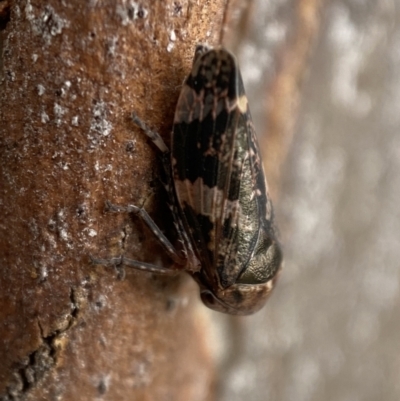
(239, 299)
(251, 289)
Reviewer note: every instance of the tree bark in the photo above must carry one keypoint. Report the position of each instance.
(71, 75)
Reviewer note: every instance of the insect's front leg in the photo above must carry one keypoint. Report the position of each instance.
(192, 262)
(154, 136)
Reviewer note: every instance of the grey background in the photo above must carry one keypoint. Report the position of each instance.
(331, 330)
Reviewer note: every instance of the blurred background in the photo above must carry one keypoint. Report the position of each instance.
(331, 330)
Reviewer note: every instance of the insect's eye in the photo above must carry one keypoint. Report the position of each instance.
(209, 299)
(264, 264)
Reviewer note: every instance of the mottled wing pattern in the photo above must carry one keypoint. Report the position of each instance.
(209, 150)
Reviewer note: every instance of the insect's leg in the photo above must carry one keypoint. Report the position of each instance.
(166, 244)
(148, 267)
(190, 256)
(117, 263)
(166, 181)
(154, 136)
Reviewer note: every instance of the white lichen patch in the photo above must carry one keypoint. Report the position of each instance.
(41, 89)
(112, 46)
(100, 126)
(43, 272)
(61, 227)
(172, 39)
(64, 89)
(63, 234)
(11, 76)
(44, 118)
(129, 11)
(48, 24)
(92, 233)
(59, 112)
(75, 121)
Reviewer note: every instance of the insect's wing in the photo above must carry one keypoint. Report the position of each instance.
(207, 158)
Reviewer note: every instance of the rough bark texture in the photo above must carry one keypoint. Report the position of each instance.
(71, 74)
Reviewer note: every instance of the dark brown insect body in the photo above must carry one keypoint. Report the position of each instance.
(221, 188)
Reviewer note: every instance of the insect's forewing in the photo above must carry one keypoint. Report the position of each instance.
(219, 179)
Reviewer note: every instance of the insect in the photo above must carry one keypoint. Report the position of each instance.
(218, 192)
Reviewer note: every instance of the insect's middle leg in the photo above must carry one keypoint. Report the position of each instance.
(164, 241)
(121, 261)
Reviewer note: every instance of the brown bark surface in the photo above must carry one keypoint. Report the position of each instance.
(71, 75)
